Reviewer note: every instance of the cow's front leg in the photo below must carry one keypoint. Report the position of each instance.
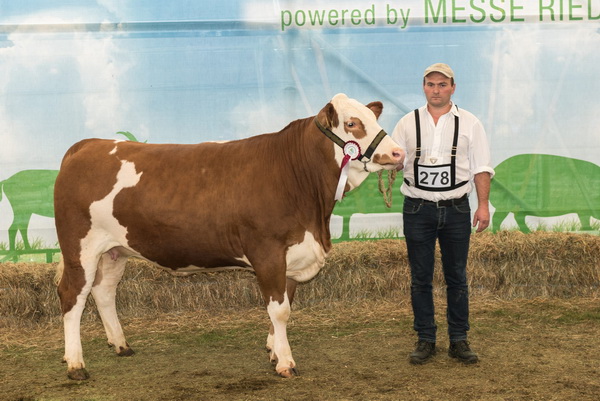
(279, 313)
(274, 291)
(290, 291)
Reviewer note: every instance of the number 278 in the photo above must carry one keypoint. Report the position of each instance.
(431, 178)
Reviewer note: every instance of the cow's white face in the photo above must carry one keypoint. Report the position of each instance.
(353, 121)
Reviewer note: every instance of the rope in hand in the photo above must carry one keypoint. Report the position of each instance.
(387, 192)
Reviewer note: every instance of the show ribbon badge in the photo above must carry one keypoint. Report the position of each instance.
(351, 152)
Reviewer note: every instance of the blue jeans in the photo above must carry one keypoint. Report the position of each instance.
(424, 223)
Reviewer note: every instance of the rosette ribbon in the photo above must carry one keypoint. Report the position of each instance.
(351, 152)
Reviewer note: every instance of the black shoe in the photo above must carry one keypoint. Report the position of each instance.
(461, 351)
(422, 353)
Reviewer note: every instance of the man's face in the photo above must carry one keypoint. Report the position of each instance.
(438, 89)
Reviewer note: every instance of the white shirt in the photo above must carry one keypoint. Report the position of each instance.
(472, 154)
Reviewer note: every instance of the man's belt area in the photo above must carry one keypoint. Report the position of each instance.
(442, 203)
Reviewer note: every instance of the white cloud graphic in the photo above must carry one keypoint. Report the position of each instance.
(539, 98)
(59, 87)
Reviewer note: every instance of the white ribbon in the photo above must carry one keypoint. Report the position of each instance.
(339, 192)
(351, 152)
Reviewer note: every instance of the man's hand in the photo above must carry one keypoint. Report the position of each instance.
(481, 219)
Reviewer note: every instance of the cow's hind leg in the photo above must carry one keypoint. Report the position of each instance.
(278, 307)
(73, 290)
(109, 273)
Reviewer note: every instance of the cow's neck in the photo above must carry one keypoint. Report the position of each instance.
(313, 153)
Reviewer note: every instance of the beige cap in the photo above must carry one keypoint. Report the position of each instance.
(441, 68)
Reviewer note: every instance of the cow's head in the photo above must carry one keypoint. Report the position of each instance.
(354, 128)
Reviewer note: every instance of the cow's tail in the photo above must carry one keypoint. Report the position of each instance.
(59, 271)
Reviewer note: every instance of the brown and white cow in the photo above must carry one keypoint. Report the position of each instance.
(261, 203)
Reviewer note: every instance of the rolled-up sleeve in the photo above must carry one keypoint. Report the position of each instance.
(481, 161)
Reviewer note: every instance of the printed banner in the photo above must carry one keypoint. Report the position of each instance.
(188, 72)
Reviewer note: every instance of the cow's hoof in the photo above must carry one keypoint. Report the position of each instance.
(125, 351)
(288, 372)
(78, 374)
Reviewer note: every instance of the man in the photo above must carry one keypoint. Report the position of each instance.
(446, 153)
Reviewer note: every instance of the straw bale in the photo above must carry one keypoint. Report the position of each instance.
(507, 265)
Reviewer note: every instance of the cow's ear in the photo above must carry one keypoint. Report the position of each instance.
(376, 107)
(328, 117)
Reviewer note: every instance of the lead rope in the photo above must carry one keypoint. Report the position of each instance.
(387, 192)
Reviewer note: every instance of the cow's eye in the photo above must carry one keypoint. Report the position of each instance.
(350, 124)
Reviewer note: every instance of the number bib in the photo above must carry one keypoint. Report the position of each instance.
(434, 178)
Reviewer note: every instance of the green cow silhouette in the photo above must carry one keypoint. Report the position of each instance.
(368, 199)
(545, 186)
(28, 192)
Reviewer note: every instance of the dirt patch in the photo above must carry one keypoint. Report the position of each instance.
(539, 349)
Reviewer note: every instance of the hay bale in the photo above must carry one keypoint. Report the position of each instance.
(357, 271)
(147, 288)
(27, 292)
(506, 265)
(513, 264)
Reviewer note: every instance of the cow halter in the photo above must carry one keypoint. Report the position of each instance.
(352, 151)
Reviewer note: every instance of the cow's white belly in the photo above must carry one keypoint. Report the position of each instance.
(304, 260)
